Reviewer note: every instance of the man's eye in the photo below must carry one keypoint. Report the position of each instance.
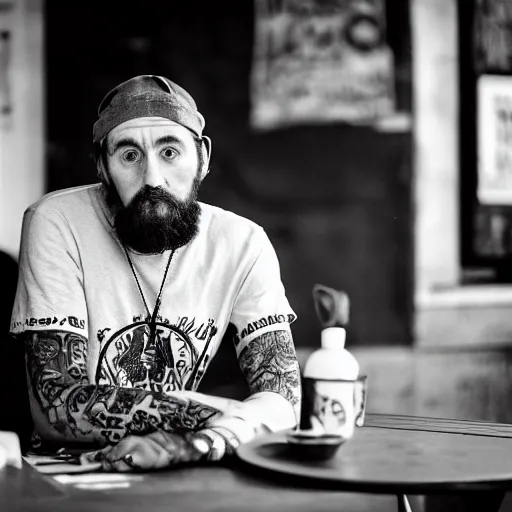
(131, 156)
(169, 153)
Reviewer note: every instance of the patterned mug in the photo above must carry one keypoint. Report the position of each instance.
(333, 407)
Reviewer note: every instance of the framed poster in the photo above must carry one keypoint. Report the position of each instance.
(494, 140)
(317, 61)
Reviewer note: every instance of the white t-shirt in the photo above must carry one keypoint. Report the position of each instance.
(75, 276)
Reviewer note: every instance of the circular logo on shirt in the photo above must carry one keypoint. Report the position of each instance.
(163, 361)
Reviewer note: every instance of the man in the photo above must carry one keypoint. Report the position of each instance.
(126, 288)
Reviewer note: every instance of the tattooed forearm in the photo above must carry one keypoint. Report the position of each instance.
(114, 412)
(269, 363)
(78, 410)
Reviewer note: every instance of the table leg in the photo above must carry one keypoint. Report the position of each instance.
(403, 503)
(468, 502)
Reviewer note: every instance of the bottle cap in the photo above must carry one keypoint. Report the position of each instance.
(333, 337)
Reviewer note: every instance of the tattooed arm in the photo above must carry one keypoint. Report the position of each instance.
(270, 367)
(66, 407)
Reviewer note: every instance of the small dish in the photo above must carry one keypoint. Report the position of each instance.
(308, 446)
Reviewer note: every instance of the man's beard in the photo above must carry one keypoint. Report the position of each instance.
(155, 221)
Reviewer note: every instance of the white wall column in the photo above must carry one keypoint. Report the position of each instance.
(436, 137)
(22, 135)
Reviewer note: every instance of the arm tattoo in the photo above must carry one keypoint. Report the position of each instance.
(57, 369)
(269, 363)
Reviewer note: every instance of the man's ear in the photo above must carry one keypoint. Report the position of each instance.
(206, 148)
(101, 165)
(102, 171)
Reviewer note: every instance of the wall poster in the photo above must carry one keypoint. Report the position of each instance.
(318, 61)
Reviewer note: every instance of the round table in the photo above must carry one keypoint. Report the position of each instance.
(473, 466)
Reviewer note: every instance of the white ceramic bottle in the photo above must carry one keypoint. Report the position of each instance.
(332, 360)
(329, 375)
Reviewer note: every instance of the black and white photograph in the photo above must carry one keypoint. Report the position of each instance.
(256, 255)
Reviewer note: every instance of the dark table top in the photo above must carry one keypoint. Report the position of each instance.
(211, 488)
(391, 454)
(391, 460)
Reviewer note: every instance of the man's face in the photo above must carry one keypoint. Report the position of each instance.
(154, 165)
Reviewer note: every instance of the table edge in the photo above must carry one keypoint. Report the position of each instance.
(445, 425)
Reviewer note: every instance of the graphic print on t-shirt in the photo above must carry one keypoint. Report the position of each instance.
(175, 360)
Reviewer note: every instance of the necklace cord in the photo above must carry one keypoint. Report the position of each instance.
(152, 324)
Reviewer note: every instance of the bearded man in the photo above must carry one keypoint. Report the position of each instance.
(126, 288)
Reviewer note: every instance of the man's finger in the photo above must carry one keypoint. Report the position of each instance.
(124, 447)
(135, 453)
(94, 456)
(120, 465)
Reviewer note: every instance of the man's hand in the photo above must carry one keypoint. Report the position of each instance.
(157, 450)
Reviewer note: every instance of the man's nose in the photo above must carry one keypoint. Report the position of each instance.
(153, 175)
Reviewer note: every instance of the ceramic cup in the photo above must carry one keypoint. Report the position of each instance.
(333, 407)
